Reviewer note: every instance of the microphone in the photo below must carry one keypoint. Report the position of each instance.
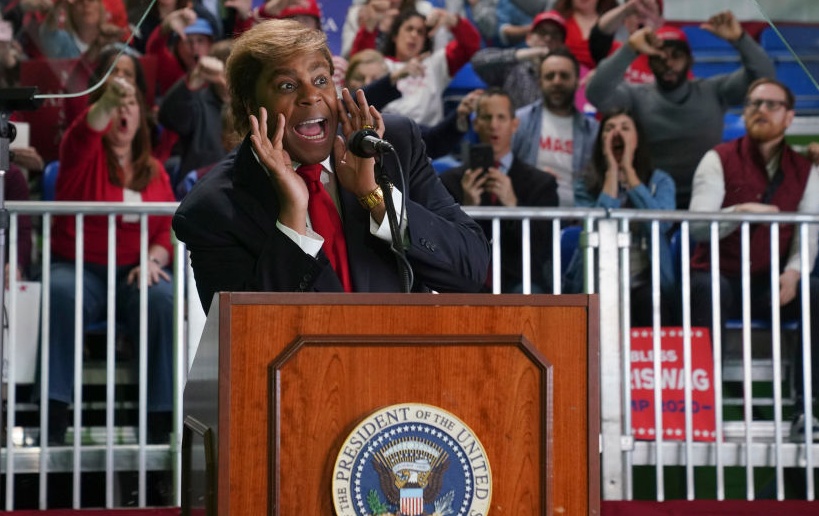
(366, 144)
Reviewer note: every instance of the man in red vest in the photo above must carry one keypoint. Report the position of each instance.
(758, 173)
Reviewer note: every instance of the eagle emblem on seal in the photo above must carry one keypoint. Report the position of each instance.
(410, 471)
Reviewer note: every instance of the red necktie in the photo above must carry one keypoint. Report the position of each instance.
(326, 222)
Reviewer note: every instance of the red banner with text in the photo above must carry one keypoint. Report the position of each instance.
(673, 380)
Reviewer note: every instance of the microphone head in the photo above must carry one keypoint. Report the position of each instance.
(358, 145)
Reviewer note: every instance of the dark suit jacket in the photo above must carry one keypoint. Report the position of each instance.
(228, 221)
(532, 187)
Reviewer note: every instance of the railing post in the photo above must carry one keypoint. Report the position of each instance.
(611, 378)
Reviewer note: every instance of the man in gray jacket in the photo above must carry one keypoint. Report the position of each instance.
(553, 135)
(682, 118)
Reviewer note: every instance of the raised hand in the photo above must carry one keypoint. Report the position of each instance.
(244, 8)
(178, 20)
(290, 188)
(473, 183)
(208, 69)
(725, 25)
(499, 184)
(646, 42)
(354, 173)
(438, 18)
(412, 68)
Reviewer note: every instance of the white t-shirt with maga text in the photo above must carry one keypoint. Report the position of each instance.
(555, 153)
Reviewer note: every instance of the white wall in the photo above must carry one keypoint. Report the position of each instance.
(776, 10)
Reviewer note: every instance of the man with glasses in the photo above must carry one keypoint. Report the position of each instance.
(758, 173)
(681, 117)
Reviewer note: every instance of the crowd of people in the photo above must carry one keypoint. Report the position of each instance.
(241, 112)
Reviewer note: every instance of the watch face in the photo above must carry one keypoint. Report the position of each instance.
(411, 459)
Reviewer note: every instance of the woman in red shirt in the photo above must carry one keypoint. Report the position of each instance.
(105, 155)
(580, 16)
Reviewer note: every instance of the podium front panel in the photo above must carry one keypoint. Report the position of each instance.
(298, 372)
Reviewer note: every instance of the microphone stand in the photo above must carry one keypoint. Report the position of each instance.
(11, 99)
(398, 248)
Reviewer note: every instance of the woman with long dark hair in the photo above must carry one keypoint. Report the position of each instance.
(409, 41)
(621, 176)
(105, 155)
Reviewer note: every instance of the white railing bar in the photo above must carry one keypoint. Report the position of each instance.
(143, 355)
(180, 364)
(526, 247)
(91, 208)
(658, 379)
(611, 380)
(110, 356)
(45, 333)
(588, 251)
(496, 256)
(776, 343)
(10, 345)
(557, 258)
(716, 342)
(806, 357)
(625, 338)
(746, 357)
(78, 350)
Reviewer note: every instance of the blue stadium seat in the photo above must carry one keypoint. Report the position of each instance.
(803, 39)
(444, 163)
(675, 246)
(800, 83)
(705, 44)
(569, 240)
(50, 180)
(462, 83)
(712, 55)
(734, 127)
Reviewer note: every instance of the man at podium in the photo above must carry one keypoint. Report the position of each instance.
(292, 209)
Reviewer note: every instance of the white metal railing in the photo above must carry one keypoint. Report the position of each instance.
(605, 246)
(110, 450)
(751, 443)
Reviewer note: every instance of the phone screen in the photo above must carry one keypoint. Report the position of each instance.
(480, 156)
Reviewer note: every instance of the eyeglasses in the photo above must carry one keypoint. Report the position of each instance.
(770, 104)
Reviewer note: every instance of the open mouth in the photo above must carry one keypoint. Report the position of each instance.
(123, 124)
(315, 129)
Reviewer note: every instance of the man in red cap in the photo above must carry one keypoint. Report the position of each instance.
(682, 117)
(515, 70)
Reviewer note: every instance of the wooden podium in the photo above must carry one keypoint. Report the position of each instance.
(280, 380)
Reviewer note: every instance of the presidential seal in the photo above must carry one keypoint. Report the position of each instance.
(411, 460)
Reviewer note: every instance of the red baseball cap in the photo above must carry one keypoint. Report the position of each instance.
(670, 34)
(311, 8)
(549, 16)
